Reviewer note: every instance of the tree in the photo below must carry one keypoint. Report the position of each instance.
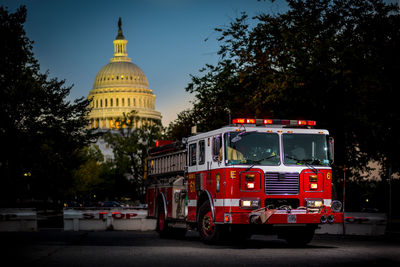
(180, 128)
(332, 61)
(41, 131)
(130, 147)
(88, 177)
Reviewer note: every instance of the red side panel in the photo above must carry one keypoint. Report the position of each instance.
(151, 199)
(192, 197)
(169, 201)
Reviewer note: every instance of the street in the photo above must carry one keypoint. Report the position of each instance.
(54, 247)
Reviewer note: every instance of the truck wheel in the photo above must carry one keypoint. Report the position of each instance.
(208, 230)
(162, 225)
(299, 237)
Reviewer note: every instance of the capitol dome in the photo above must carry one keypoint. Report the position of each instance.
(117, 74)
(120, 87)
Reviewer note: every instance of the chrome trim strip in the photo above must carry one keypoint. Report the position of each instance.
(211, 204)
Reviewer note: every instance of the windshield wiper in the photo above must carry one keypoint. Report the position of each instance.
(305, 162)
(259, 161)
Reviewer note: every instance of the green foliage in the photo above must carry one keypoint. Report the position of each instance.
(331, 61)
(130, 146)
(40, 132)
(370, 195)
(88, 177)
(181, 127)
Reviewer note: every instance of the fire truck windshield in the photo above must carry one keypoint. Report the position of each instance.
(249, 148)
(307, 149)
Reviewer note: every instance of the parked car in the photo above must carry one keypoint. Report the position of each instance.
(107, 204)
(141, 206)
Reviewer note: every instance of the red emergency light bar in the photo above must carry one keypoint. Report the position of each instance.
(311, 123)
(244, 121)
(274, 122)
(163, 142)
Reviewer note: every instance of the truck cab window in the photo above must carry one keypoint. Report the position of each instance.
(217, 148)
(305, 149)
(192, 154)
(202, 154)
(249, 148)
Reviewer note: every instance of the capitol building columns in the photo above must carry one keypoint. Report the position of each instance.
(113, 123)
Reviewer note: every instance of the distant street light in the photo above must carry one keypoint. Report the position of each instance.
(28, 186)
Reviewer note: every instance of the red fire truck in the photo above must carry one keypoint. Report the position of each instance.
(253, 176)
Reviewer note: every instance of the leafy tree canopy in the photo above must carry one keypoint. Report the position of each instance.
(40, 132)
(332, 61)
(130, 146)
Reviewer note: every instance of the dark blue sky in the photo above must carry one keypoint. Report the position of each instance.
(166, 39)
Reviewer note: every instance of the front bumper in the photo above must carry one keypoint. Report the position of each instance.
(288, 216)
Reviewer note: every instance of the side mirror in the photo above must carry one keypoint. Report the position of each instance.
(331, 149)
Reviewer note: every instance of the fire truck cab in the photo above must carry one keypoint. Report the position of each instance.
(253, 176)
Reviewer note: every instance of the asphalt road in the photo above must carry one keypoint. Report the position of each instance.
(133, 248)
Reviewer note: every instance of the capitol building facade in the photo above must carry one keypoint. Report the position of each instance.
(121, 87)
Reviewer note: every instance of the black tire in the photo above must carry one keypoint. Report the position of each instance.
(208, 230)
(162, 224)
(166, 231)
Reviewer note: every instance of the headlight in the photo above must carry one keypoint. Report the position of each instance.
(314, 203)
(336, 206)
(249, 203)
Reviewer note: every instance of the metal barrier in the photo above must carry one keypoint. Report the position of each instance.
(357, 223)
(18, 220)
(76, 219)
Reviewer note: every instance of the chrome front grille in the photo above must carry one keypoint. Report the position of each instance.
(281, 183)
